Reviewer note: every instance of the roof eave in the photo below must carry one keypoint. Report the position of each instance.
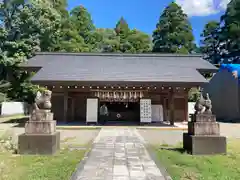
(119, 83)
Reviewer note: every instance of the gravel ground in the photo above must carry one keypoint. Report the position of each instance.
(79, 137)
(152, 136)
(173, 137)
(230, 130)
(155, 136)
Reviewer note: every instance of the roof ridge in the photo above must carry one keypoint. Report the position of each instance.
(119, 54)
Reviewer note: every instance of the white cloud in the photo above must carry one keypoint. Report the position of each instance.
(224, 4)
(202, 7)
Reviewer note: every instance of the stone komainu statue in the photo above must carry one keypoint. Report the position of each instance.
(203, 105)
(43, 100)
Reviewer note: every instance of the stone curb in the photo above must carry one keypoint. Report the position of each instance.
(80, 165)
(153, 155)
(99, 127)
(83, 161)
(163, 128)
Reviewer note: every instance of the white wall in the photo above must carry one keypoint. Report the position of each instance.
(12, 108)
(191, 109)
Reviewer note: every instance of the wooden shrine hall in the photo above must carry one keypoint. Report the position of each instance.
(141, 88)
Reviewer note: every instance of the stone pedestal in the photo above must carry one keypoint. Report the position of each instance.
(39, 143)
(203, 137)
(40, 135)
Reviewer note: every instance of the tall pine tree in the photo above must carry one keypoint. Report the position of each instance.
(122, 30)
(173, 32)
(230, 32)
(82, 21)
(210, 44)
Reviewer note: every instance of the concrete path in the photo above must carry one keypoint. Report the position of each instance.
(118, 154)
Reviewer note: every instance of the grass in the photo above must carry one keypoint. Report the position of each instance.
(12, 119)
(57, 167)
(182, 166)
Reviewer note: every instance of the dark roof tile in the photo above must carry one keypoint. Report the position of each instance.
(119, 67)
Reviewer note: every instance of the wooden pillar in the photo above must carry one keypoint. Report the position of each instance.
(65, 105)
(186, 107)
(172, 108)
(73, 109)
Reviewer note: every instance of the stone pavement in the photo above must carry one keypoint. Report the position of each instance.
(118, 154)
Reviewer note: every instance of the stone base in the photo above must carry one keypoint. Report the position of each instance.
(204, 128)
(40, 127)
(92, 123)
(204, 145)
(204, 118)
(38, 144)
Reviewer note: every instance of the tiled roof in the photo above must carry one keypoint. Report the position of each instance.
(119, 67)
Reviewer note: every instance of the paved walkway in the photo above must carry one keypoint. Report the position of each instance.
(118, 154)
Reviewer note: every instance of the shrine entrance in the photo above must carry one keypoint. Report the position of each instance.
(122, 113)
(123, 106)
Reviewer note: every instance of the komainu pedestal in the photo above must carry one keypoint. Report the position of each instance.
(40, 135)
(203, 136)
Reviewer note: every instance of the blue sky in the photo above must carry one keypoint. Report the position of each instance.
(144, 14)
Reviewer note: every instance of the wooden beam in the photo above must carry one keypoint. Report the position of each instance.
(172, 108)
(65, 105)
(73, 109)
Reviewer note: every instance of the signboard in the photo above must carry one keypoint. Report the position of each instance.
(145, 111)
(92, 110)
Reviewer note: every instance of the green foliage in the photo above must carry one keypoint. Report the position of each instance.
(221, 40)
(103, 40)
(60, 6)
(230, 32)
(2, 98)
(173, 32)
(122, 30)
(82, 21)
(210, 44)
(193, 94)
(131, 41)
(76, 30)
(27, 27)
(140, 41)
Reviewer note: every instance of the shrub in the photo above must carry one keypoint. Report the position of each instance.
(8, 142)
(193, 95)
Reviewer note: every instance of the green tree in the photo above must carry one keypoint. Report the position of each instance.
(230, 32)
(61, 7)
(210, 44)
(81, 20)
(140, 41)
(196, 49)
(76, 30)
(25, 28)
(103, 40)
(131, 41)
(122, 30)
(71, 41)
(173, 32)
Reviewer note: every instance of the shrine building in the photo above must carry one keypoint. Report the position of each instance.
(139, 88)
